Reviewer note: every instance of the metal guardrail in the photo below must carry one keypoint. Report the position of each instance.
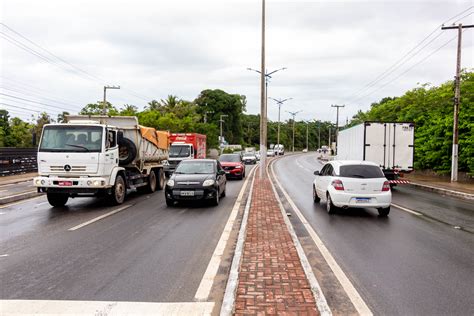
(17, 160)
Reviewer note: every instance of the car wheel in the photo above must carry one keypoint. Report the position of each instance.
(57, 199)
(169, 202)
(215, 200)
(223, 192)
(383, 212)
(316, 198)
(330, 208)
(119, 190)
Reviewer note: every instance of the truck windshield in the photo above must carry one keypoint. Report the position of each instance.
(179, 151)
(361, 171)
(69, 138)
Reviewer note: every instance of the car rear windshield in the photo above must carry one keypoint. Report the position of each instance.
(360, 171)
(229, 158)
(195, 167)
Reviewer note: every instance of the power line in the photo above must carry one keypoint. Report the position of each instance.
(40, 96)
(413, 66)
(36, 102)
(401, 61)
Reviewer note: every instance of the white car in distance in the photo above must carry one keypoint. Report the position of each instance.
(352, 184)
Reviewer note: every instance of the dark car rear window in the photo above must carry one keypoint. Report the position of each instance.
(360, 171)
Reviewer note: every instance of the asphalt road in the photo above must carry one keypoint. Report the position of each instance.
(146, 253)
(401, 265)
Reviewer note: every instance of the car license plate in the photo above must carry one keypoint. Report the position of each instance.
(362, 200)
(227, 172)
(187, 193)
(65, 183)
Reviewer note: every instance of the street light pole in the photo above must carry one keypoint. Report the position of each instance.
(307, 130)
(279, 103)
(221, 121)
(294, 115)
(104, 105)
(319, 135)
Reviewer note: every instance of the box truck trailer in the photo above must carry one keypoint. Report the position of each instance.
(388, 144)
(100, 156)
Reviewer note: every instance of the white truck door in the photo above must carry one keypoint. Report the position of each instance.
(376, 143)
(402, 146)
(111, 155)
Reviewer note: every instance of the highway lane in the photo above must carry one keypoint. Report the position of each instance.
(147, 252)
(401, 265)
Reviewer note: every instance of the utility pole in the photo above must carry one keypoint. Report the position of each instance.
(294, 115)
(319, 135)
(457, 98)
(337, 121)
(104, 105)
(205, 115)
(307, 130)
(263, 108)
(279, 103)
(329, 144)
(220, 122)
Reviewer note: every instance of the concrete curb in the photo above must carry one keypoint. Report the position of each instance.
(14, 181)
(18, 197)
(462, 195)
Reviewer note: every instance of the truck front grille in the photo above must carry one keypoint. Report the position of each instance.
(73, 169)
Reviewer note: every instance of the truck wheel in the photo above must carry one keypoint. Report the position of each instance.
(57, 199)
(151, 186)
(127, 151)
(316, 198)
(161, 179)
(383, 212)
(330, 208)
(119, 190)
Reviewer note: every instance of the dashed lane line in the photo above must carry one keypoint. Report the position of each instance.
(99, 218)
(407, 210)
(346, 284)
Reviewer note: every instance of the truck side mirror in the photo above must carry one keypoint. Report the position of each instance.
(119, 136)
(316, 173)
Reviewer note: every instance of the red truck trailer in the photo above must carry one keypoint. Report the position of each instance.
(185, 146)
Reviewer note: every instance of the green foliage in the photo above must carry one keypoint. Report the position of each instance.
(97, 109)
(431, 109)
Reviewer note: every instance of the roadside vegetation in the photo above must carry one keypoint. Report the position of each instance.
(429, 107)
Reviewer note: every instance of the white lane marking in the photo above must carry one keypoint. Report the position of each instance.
(7, 185)
(19, 202)
(233, 279)
(207, 280)
(21, 193)
(46, 307)
(407, 210)
(3, 190)
(4, 255)
(346, 284)
(300, 165)
(2, 213)
(318, 294)
(41, 203)
(98, 218)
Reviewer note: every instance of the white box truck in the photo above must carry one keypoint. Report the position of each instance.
(99, 156)
(391, 145)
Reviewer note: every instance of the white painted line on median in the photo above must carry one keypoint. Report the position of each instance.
(4, 255)
(3, 190)
(346, 284)
(407, 210)
(207, 280)
(21, 193)
(19, 202)
(99, 218)
(50, 307)
(233, 280)
(318, 294)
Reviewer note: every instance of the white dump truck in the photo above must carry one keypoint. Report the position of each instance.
(100, 156)
(391, 145)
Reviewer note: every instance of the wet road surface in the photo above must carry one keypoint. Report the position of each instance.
(401, 265)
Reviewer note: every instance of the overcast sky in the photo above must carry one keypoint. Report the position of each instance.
(332, 51)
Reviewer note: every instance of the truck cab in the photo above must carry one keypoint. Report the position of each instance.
(185, 146)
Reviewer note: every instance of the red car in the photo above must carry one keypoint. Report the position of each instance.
(233, 166)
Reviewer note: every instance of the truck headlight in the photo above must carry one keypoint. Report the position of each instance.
(208, 183)
(166, 163)
(37, 182)
(170, 183)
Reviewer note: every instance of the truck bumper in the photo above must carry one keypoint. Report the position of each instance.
(89, 185)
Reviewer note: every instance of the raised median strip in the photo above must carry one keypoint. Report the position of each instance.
(463, 195)
(18, 197)
(272, 278)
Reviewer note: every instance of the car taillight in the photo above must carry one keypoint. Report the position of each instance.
(337, 184)
(386, 186)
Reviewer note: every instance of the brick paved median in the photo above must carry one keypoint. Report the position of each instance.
(271, 277)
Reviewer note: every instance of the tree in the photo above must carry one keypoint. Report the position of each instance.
(97, 109)
(62, 117)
